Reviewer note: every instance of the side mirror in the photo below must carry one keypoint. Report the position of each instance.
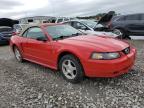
(44, 39)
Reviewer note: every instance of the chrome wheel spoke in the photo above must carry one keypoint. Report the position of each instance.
(69, 69)
(65, 66)
(69, 63)
(17, 54)
(72, 68)
(72, 75)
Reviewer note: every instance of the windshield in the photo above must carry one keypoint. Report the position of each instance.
(57, 31)
(90, 23)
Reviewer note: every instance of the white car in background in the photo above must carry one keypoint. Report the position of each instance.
(19, 27)
(59, 19)
(91, 27)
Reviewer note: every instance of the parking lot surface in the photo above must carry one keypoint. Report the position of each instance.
(28, 85)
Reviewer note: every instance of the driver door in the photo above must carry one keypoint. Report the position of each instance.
(38, 50)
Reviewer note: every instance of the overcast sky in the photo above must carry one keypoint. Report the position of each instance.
(23, 8)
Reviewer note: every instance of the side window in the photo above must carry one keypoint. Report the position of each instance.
(53, 20)
(66, 19)
(78, 25)
(133, 17)
(59, 20)
(68, 23)
(35, 33)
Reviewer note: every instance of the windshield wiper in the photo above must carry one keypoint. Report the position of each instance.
(76, 34)
(60, 37)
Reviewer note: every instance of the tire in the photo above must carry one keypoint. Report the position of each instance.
(71, 69)
(18, 54)
(121, 33)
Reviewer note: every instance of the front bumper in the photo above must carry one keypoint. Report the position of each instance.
(110, 68)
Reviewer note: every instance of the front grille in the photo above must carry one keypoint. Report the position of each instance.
(126, 50)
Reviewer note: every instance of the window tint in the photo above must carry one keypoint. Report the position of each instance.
(78, 25)
(53, 20)
(90, 23)
(132, 17)
(59, 20)
(34, 33)
(66, 19)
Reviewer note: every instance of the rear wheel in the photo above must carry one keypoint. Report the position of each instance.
(18, 55)
(71, 69)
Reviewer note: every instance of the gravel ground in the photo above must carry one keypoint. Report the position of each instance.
(28, 85)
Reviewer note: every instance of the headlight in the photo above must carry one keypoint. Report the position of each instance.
(105, 56)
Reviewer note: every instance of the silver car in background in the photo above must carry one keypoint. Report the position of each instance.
(19, 27)
(91, 27)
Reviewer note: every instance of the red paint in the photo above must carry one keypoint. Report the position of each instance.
(47, 53)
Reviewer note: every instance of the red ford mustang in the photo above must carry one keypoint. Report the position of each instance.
(75, 54)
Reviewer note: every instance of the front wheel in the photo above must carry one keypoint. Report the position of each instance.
(17, 54)
(71, 69)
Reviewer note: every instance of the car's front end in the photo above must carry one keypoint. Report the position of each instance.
(103, 56)
(98, 29)
(110, 64)
(101, 33)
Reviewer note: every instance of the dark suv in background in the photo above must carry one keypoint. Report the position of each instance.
(5, 34)
(127, 25)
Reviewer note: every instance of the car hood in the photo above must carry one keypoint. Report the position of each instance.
(106, 18)
(101, 33)
(96, 43)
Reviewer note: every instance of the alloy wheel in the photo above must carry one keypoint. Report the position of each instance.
(69, 69)
(17, 54)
